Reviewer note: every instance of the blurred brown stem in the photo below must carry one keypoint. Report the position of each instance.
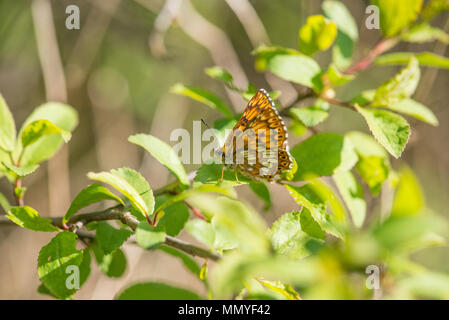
(366, 62)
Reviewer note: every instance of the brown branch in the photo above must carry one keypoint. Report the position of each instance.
(122, 214)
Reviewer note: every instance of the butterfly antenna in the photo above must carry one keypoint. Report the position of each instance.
(204, 122)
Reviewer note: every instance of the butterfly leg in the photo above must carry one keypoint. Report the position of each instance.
(235, 173)
(222, 173)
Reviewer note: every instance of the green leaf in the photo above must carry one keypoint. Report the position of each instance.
(202, 231)
(317, 211)
(373, 165)
(91, 194)
(415, 109)
(423, 285)
(397, 15)
(85, 267)
(403, 233)
(433, 8)
(203, 96)
(234, 223)
(310, 226)
(409, 198)
(424, 32)
(113, 265)
(298, 69)
(229, 274)
(27, 217)
(287, 237)
(7, 127)
(40, 128)
(138, 182)
(262, 191)
(149, 237)
(347, 34)
(20, 171)
(284, 289)
(316, 35)
(110, 238)
(211, 173)
(336, 78)
(197, 191)
(4, 203)
(374, 171)
(400, 87)
(309, 116)
(175, 217)
(352, 193)
(163, 153)
(425, 59)
(54, 258)
(122, 185)
(187, 260)
(322, 155)
(156, 291)
(406, 106)
(219, 73)
(391, 130)
(365, 145)
(264, 53)
(62, 116)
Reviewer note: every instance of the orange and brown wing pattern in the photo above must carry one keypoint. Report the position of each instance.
(261, 132)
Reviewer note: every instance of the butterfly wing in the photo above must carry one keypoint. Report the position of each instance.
(261, 137)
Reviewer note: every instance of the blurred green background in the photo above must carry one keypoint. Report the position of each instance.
(117, 72)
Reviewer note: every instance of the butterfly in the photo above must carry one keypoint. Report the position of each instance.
(257, 146)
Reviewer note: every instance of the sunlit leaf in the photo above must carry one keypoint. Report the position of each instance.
(149, 237)
(40, 128)
(352, 194)
(203, 96)
(7, 127)
(391, 130)
(400, 87)
(91, 194)
(317, 210)
(409, 198)
(425, 59)
(27, 217)
(21, 171)
(433, 8)
(424, 32)
(397, 15)
(62, 116)
(202, 231)
(347, 34)
(287, 237)
(317, 34)
(298, 69)
(122, 185)
(163, 153)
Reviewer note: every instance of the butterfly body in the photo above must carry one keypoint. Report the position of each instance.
(257, 146)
